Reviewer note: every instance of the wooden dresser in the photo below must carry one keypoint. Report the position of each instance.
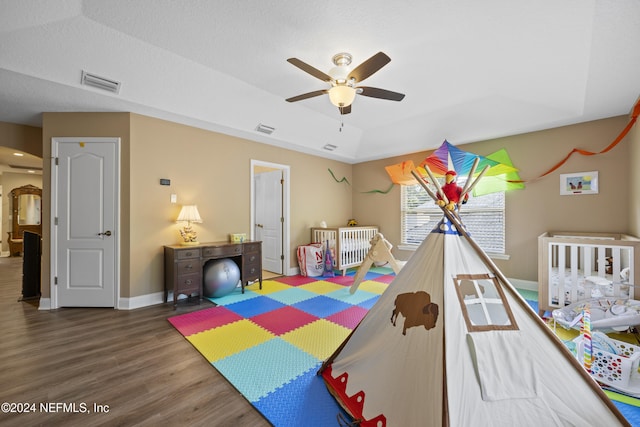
(183, 265)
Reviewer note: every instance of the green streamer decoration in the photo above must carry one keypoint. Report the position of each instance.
(379, 191)
(344, 178)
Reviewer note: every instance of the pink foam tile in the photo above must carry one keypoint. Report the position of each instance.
(339, 279)
(283, 320)
(348, 318)
(387, 278)
(203, 320)
(297, 280)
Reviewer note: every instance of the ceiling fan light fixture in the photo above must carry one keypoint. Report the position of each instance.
(342, 95)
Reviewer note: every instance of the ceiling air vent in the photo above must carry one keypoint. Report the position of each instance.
(109, 85)
(265, 129)
(330, 147)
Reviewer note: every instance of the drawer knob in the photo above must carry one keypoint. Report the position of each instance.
(187, 282)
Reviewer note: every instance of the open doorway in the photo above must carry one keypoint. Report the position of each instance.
(270, 200)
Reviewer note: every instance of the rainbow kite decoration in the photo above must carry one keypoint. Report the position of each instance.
(500, 176)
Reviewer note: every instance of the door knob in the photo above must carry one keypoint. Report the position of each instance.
(106, 233)
(259, 225)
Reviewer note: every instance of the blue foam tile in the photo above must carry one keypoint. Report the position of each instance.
(321, 306)
(369, 303)
(255, 306)
(292, 295)
(630, 412)
(533, 304)
(234, 296)
(259, 370)
(354, 299)
(314, 405)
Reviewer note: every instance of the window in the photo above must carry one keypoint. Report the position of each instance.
(482, 215)
(483, 303)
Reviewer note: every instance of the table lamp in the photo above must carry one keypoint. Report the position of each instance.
(189, 214)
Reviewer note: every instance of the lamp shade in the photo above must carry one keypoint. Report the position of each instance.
(189, 213)
(342, 95)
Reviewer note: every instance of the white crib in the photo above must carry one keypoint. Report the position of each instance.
(577, 266)
(349, 245)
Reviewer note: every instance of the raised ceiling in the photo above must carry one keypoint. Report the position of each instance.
(470, 70)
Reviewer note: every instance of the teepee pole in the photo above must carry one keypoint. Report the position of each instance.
(436, 183)
(465, 190)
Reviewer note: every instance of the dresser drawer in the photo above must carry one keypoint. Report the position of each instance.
(188, 253)
(252, 258)
(189, 282)
(252, 247)
(222, 251)
(189, 266)
(251, 272)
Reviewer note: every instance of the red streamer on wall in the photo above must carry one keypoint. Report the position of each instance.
(634, 116)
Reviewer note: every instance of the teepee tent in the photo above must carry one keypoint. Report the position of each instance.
(452, 343)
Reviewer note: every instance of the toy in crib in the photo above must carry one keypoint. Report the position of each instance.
(380, 252)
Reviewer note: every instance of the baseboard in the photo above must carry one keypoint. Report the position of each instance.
(45, 304)
(140, 301)
(527, 285)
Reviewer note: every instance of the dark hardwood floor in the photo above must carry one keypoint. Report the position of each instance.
(133, 362)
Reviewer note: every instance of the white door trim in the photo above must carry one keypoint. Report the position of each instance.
(54, 211)
(286, 202)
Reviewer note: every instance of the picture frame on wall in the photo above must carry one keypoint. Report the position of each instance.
(575, 184)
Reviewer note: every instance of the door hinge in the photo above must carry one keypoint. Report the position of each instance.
(281, 257)
(55, 221)
(281, 181)
(56, 161)
(55, 280)
(281, 219)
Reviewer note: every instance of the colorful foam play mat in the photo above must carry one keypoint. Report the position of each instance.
(270, 343)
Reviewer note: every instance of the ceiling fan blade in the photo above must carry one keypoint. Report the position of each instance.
(307, 95)
(309, 69)
(374, 92)
(345, 110)
(369, 66)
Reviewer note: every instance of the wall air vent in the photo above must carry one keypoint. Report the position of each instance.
(265, 129)
(92, 80)
(330, 147)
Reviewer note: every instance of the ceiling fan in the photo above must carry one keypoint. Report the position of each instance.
(343, 80)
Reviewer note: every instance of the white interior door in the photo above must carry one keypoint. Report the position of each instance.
(269, 218)
(85, 194)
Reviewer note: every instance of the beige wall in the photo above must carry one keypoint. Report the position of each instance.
(21, 137)
(537, 208)
(205, 168)
(213, 171)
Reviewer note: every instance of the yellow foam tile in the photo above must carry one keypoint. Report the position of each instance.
(268, 287)
(226, 340)
(319, 338)
(373, 286)
(321, 287)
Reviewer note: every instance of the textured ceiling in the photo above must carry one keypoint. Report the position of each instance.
(470, 70)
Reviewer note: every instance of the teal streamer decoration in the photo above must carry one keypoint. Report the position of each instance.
(344, 178)
(379, 191)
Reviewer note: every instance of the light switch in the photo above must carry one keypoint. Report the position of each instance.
(174, 198)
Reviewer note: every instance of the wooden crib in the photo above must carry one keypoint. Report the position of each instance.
(577, 266)
(349, 245)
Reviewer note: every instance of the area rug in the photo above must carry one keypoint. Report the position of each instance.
(270, 343)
